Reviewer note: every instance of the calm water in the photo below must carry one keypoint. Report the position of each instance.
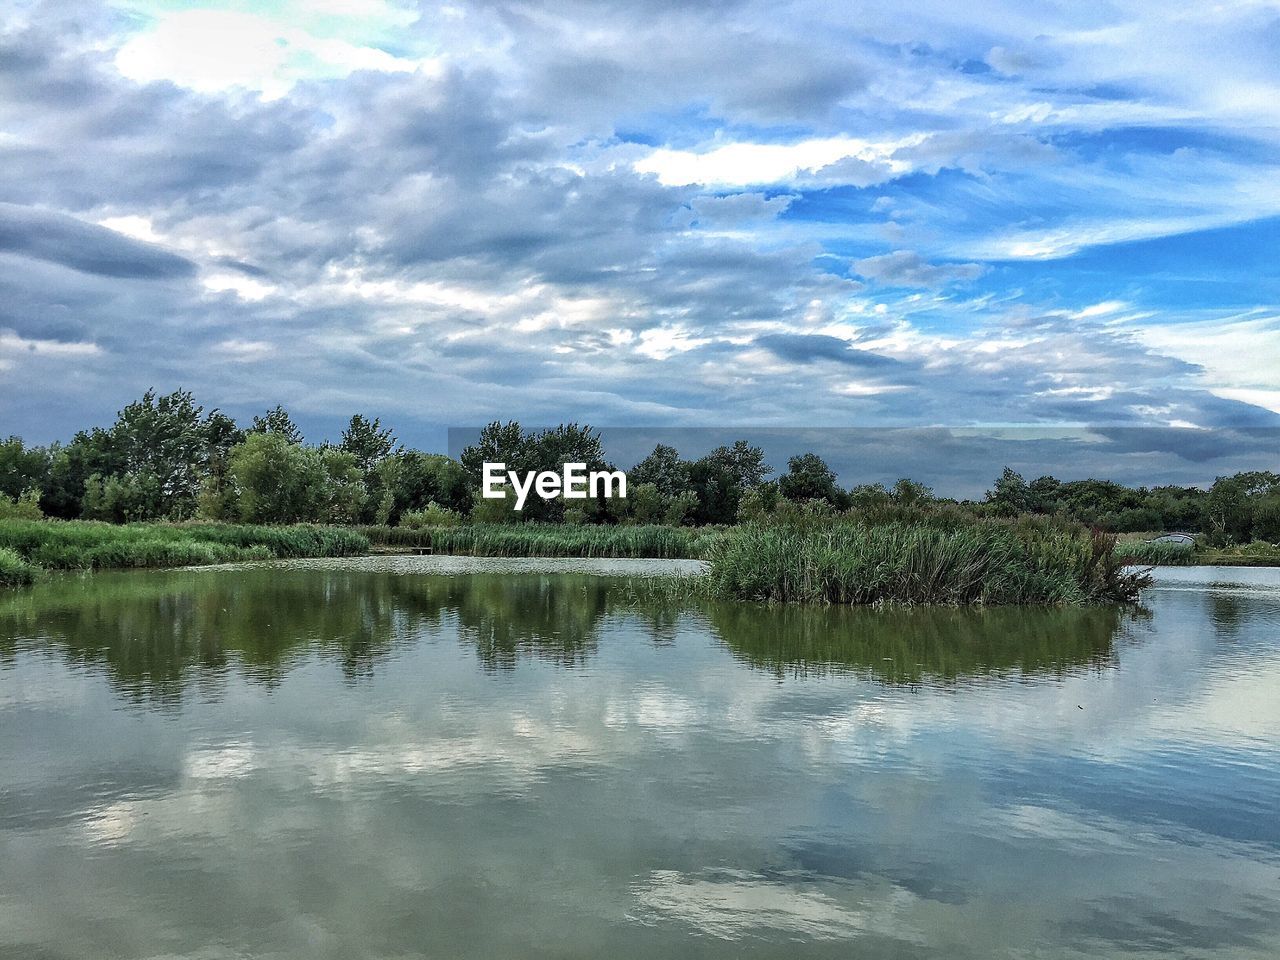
(380, 759)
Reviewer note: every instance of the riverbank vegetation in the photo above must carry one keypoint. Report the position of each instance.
(166, 458)
(14, 570)
(170, 484)
(547, 540)
(88, 545)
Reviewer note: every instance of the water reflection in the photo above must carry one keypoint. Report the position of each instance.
(924, 643)
(154, 634)
(354, 763)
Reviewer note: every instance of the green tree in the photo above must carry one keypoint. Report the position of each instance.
(278, 481)
(910, 492)
(24, 507)
(866, 497)
(680, 509)
(645, 503)
(717, 490)
(1266, 518)
(497, 443)
(1044, 494)
(758, 503)
(1010, 495)
(662, 469)
(368, 441)
(809, 478)
(744, 463)
(1229, 510)
(523, 451)
(277, 420)
(424, 478)
(344, 494)
(22, 468)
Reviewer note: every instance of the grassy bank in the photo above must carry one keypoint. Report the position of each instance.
(14, 571)
(550, 540)
(1148, 554)
(987, 563)
(88, 545)
(1172, 555)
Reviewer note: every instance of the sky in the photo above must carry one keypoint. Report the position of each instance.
(644, 214)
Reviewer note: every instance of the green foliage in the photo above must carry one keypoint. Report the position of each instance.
(25, 507)
(164, 457)
(416, 479)
(645, 503)
(281, 482)
(14, 570)
(159, 450)
(495, 511)
(1145, 553)
(277, 421)
(744, 463)
(368, 442)
(22, 468)
(545, 450)
(910, 493)
(278, 481)
(1266, 519)
(758, 504)
(549, 540)
(663, 470)
(849, 563)
(1010, 495)
(680, 508)
(88, 545)
(432, 515)
(343, 496)
(809, 478)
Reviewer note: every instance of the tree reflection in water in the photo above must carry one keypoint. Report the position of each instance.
(157, 634)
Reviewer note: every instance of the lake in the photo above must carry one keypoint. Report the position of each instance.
(430, 757)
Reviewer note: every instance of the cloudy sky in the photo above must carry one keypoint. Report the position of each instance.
(642, 213)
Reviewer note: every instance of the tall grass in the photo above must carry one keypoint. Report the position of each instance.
(14, 571)
(89, 545)
(550, 540)
(1157, 554)
(987, 563)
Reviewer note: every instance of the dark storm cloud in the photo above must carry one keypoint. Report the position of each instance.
(86, 247)
(803, 348)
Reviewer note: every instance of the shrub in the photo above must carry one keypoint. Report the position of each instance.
(432, 515)
(25, 507)
(14, 571)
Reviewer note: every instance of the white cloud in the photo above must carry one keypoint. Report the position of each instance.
(212, 50)
(747, 163)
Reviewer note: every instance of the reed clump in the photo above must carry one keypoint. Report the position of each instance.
(1149, 554)
(988, 562)
(14, 570)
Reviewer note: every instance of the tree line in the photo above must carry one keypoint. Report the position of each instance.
(165, 457)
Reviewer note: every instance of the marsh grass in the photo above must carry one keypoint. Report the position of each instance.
(982, 563)
(552, 540)
(14, 571)
(89, 545)
(1157, 554)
